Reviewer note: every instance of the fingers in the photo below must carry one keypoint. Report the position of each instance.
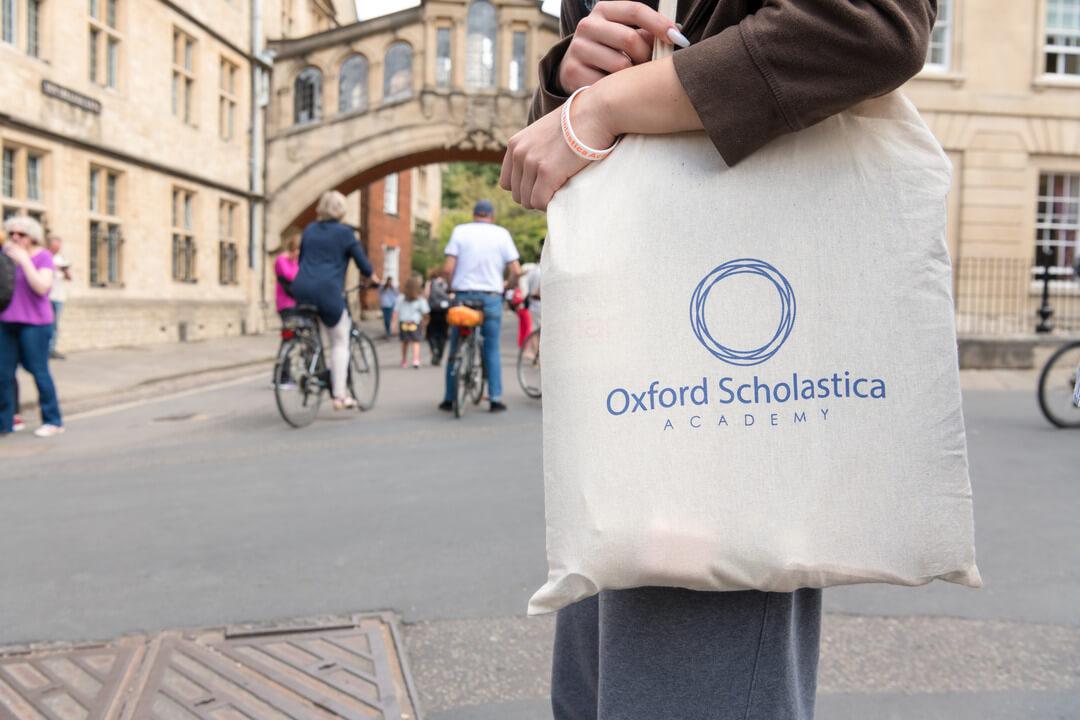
(528, 182)
(538, 162)
(628, 13)
(602, 58)
(544, 190)
(506, 174)
(574, 75)
(617, 36)
(520, 160)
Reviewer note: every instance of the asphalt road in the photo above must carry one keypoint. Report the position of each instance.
(203, 508)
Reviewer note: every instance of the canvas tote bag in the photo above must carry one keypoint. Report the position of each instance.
(750, 373)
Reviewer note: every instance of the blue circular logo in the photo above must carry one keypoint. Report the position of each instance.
(743, 266)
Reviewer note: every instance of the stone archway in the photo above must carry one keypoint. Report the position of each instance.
(439, 120)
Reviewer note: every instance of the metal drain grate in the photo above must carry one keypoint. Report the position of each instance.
(325, 673)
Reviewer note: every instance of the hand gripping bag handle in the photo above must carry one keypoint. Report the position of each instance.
(662, 47)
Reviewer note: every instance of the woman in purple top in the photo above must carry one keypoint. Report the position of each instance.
(25, 326)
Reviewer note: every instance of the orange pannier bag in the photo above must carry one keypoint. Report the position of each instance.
(461, 316)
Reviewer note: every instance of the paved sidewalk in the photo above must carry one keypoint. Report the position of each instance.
(99, 377)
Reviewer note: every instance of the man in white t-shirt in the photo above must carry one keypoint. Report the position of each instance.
(529, 284)
(58, 293)
(476, 256)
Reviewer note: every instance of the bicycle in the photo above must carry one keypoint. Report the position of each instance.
(301, 374)
(528, 364)
(467, 367)
(1059, 386)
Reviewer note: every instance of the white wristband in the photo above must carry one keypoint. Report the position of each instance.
(579, 148)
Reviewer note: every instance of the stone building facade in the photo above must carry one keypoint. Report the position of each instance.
(133, 130)
(124, 126)
(1001, 91)
(444, 80)
(136, 131)
(142, 132)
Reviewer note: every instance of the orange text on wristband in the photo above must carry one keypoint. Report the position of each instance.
(579, 148)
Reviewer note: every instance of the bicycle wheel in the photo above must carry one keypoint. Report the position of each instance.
(1056, 385)
(478, 372)
(363, 377)
(462, 368)
(528, 365)
(298, 389)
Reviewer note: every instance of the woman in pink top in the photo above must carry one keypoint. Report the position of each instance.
(25, 326)
(285, 268)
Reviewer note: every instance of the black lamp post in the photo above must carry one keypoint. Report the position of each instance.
(1046, 255)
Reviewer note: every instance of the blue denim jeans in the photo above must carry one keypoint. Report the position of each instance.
(56, 308)
(491, 327)
(387, 317)
(26, 345)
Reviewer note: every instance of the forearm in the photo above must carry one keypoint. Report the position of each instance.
(362, 263)
(645, 99)
(40, 281)
(365, 268)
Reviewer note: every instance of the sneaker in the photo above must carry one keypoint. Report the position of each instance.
(18, 425)
(53, 355)
(404, 364)
(287, 386)
(48, 431)
(497, 406)
(446, 405)
(416, 364)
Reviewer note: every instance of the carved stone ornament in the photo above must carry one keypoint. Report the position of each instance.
(476, 139)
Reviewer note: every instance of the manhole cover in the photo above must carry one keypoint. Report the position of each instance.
(353, 671)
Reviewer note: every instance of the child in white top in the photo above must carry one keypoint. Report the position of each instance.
(411, 313)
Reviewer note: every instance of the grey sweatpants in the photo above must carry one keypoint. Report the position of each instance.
(664, 653)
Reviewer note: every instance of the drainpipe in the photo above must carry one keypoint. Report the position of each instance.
(257, 235)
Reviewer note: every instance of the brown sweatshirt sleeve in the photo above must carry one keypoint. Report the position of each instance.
(753, 76)
(794, 63)
(549, 94)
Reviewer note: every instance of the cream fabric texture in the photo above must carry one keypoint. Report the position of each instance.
(750, 373)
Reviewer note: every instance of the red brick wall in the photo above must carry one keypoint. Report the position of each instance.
(380, 228)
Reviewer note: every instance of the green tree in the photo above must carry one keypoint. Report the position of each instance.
(425, 251)
(465, 183)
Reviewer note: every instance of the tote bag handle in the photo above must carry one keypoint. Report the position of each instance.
(663, 48)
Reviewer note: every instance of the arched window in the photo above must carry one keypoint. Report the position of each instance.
(397, 75)
(352, 88)
(480, 46)
(307, 96)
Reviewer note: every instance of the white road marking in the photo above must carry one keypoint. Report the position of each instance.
(162, 398)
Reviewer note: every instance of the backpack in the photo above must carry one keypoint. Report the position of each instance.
(438, 297)
(7, 280)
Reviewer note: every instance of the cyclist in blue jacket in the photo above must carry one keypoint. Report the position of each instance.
(325, 250)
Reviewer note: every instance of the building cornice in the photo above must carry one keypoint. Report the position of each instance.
(298, 47)
(214, 33)
(7, 120)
